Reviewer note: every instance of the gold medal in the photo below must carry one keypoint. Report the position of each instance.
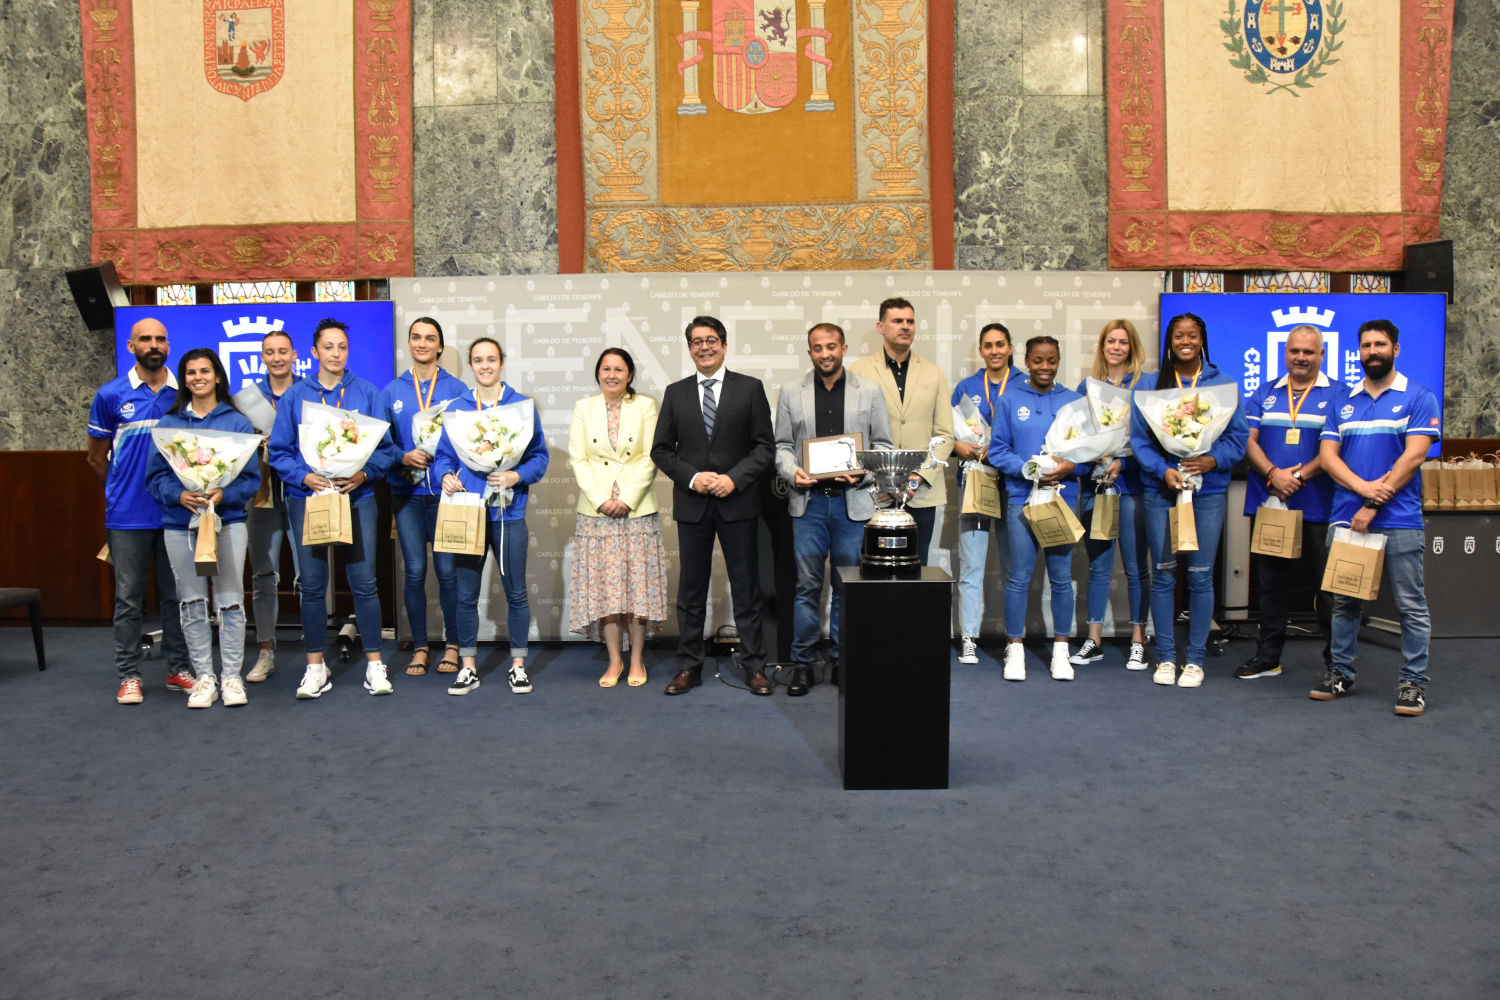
(1294, 435)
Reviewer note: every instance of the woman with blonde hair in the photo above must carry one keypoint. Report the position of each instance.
(1118, 359)
(619, 575)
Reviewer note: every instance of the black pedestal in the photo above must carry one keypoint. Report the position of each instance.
(893, 679)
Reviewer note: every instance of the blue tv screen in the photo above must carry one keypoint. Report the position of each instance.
(1247, 332)
(235, 332)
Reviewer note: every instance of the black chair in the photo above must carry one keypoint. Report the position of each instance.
(15, 597)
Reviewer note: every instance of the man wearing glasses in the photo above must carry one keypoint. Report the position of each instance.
(714, 441)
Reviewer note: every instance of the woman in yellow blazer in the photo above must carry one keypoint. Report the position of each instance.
(619, 577)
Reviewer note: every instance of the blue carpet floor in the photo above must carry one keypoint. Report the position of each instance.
(1103, 838)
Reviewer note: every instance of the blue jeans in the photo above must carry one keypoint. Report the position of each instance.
(1023, 550)
(359, 569)
(1132, 546)
(132, 553)
(229, 598)
(416, 525)
(1208, 514)
(974, 534)
(1403, 568)
(823, 531)
(267, 527)
(510, 556)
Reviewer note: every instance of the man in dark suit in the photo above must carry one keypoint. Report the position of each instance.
(714, 441)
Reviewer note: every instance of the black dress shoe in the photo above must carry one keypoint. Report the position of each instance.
(684, 682)
(802, 682)
(757, 682)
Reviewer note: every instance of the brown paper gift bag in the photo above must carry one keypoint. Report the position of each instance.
(1050, 520)
(1448, 484)
(1277, 531)
(1355, 560)
(1481, 474)
(982, 492)
(1104, 526)
(460, 525)
(265, 497)
(206, 551)
(1183, 523)
(1432, 494)
(328, 520)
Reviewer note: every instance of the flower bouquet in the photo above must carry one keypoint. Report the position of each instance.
(1110, 406)
(1072, 436)
(969, 425)
(253, 404)
(335, 443)
(203, 461)
(426, 433)
(492, 440)
(1187, 422)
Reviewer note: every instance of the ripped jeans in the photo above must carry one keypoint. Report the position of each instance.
(229, 598)
(1208, 513)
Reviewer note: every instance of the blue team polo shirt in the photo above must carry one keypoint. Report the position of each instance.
(1270, 409)
(1372, 433)
(124, 411)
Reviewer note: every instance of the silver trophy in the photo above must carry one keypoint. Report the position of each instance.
(890, 543)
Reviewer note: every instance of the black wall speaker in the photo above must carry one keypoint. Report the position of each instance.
(97, 291)
(1429, 268)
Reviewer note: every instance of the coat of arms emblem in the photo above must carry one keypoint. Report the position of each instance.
(1284, 44)
(244, 45)
(754, 48)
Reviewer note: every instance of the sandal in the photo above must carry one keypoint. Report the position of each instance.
(447, 665)
(415, 669)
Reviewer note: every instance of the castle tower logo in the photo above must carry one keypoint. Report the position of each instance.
(1283, 45)
(244, 45)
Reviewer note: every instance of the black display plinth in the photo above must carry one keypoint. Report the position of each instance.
(893, 679)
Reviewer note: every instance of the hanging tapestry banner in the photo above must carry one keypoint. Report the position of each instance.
(727, 135)
(1275, 134)
(250, 139)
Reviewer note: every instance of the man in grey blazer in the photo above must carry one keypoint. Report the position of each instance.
(828, 513)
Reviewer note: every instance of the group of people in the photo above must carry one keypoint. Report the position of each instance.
(1339, 455)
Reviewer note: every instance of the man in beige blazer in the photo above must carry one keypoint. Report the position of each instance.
(916, 398)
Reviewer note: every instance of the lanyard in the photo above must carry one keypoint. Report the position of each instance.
(1294, 406)
(991, 399)
(1178, 375)
(323, 393)
(416, 386)
(480, 404)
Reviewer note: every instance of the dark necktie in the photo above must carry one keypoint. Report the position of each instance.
(710, 408)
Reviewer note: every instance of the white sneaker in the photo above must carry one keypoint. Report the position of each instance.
(1137, 659)
(466, 681)
(519, 682)
(315, 682)
(265, 666)
(1192, 676)
(1166, 673)
(234, 692)
(1089, 652)
(376, 681)
(968, 653)
(1061, 669)
(1015, 662)
(204, 693)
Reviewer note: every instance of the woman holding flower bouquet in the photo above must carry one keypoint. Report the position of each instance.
(1022, 419)
(619, 579)
(1118, 358)
(984, 390)
(413, 406)
(506, 491)
(332, 385)
(1186, 440)
(203, 405)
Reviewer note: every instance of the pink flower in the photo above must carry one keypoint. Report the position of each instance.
(203, 456)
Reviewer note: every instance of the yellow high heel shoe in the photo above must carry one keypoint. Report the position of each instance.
(608, 681)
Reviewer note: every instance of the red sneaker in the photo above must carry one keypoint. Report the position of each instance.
(182, 680)
(130, 691)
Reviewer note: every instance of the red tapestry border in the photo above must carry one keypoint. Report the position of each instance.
(1144, 231)
(377, 244)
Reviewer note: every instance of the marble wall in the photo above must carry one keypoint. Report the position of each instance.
(1029, 151)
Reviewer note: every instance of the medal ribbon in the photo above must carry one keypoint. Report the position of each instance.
(1294, 406)
(1178, 375)
(416, 386)
(991, 399)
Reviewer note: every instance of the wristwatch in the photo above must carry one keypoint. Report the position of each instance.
(1297, 475)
